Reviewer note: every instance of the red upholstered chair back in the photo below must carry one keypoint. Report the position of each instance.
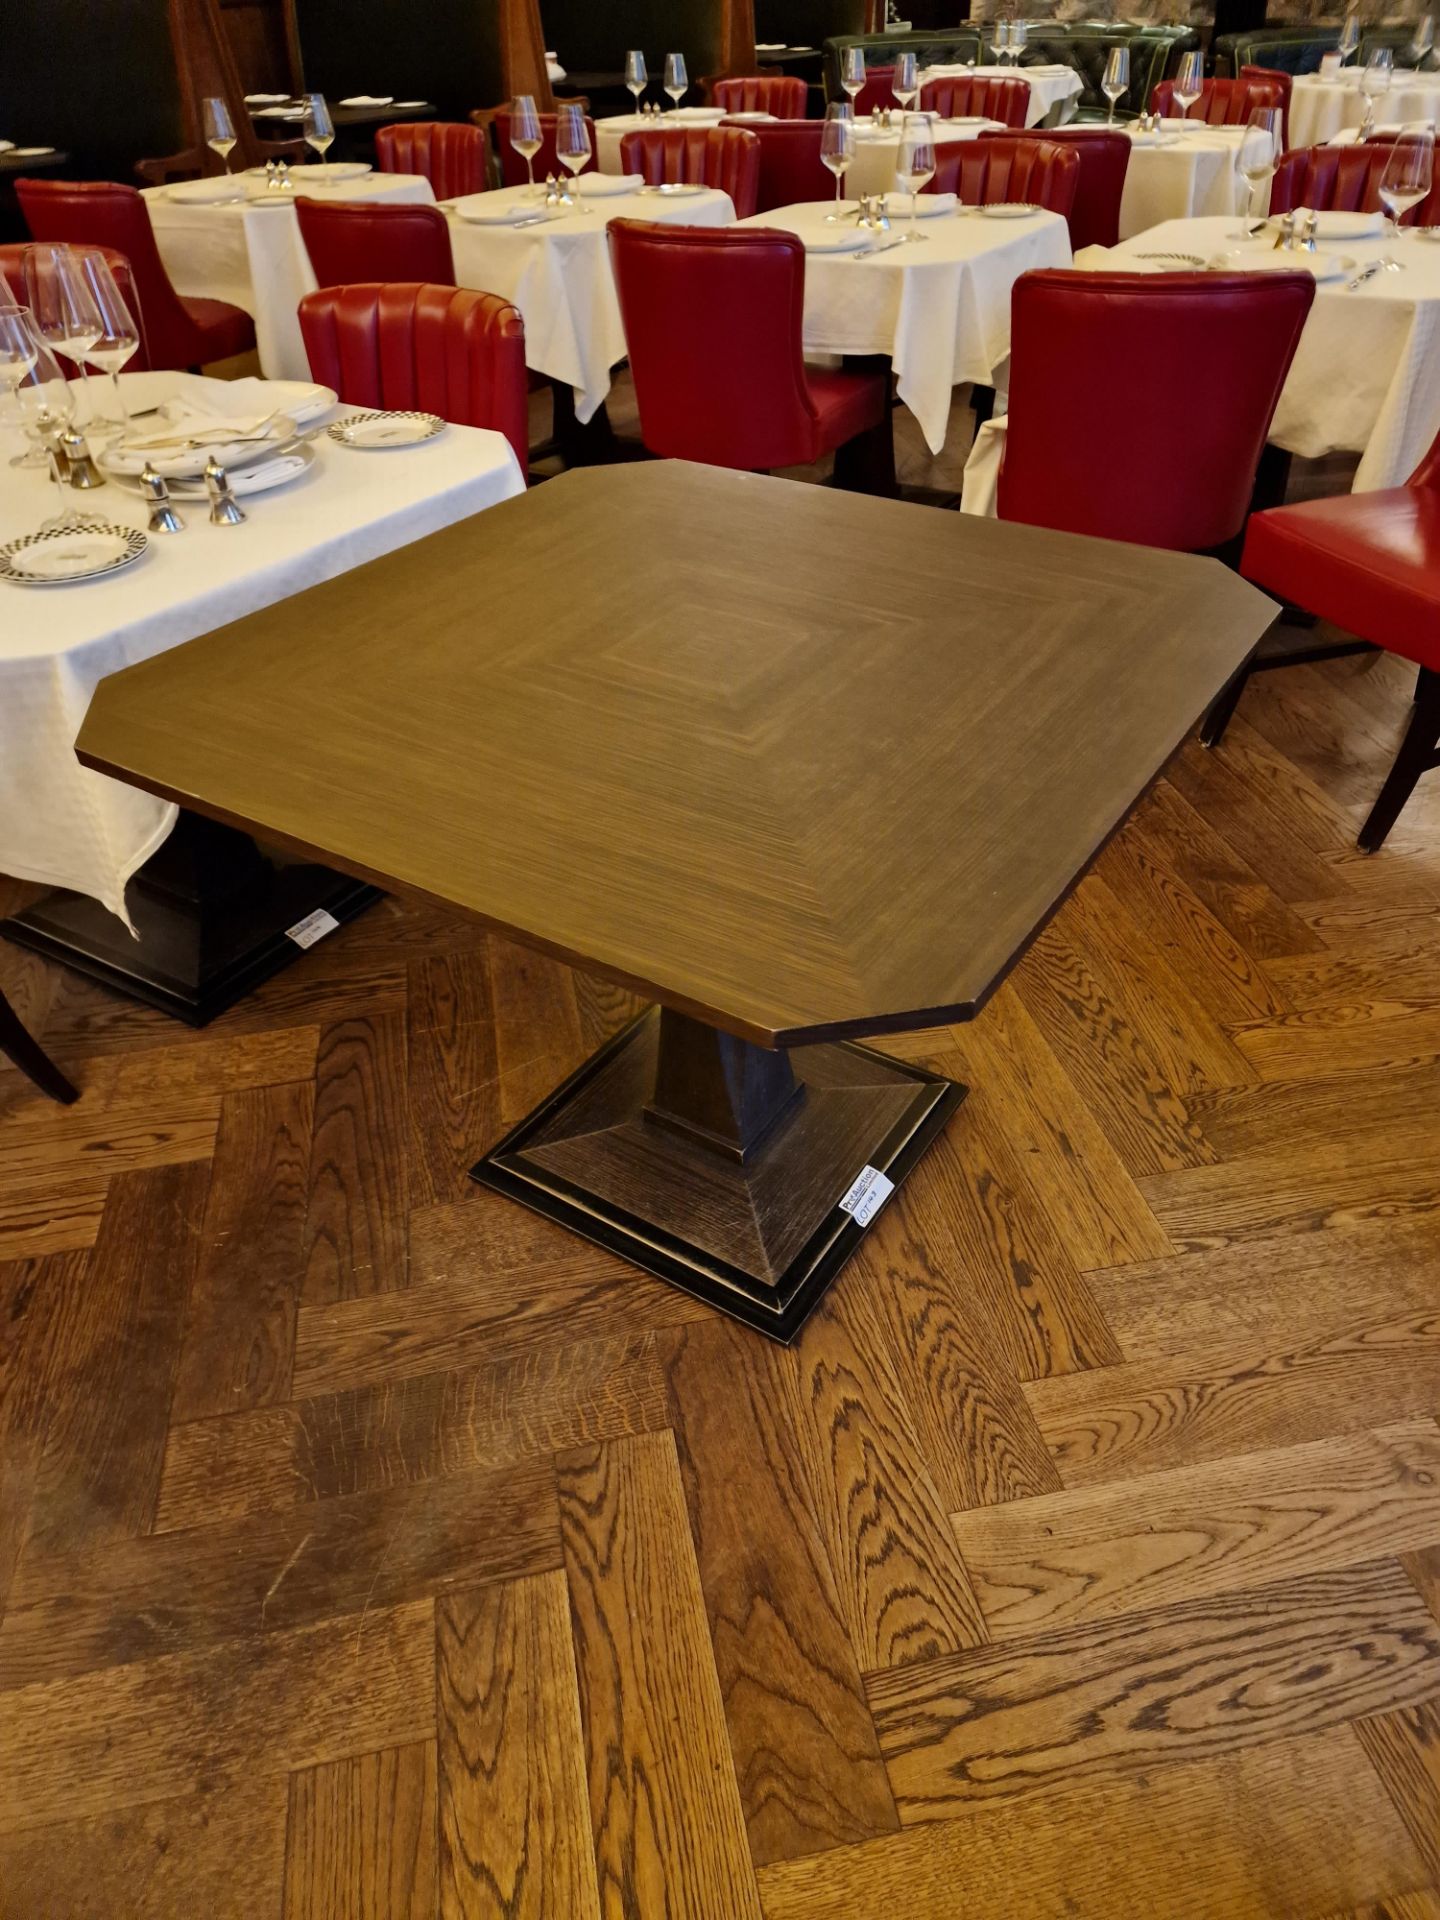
(450, 154)
(446, 350)
(1104, 154)
(102, 213)
(12, 272)
(1343, 180)
(1222, 103)
(790, 167)
(960, 94)
(727, 386)
(724, 157)
(1009, 166)
(350, 241)
(878, 90)
(1427, 474)
(1235, 334)
(1275, 77)
(778, 93)
(512, 164)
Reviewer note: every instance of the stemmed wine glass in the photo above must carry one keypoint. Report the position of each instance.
(677, 81)
(637, 77)
(1189, 82)
(525, 136)
(837, 147)
(1407, 179)
(915, 164)
(18, 348)
(572, 146)
(1375, 81)
(318, 128)
(852, 72)
(219, 130)
(1019, 34)
(1349, 41)
(47, 407)
(119, 338)
(1423, 43)
(906, 82)
(1001, 42)
(1259, 153)
(1117, 78)
(62, 310)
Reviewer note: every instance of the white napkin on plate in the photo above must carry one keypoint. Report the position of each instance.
(266, 99)
(926, 204)
(598, 186)
(6, 145)
(369, 100)
(280, 113)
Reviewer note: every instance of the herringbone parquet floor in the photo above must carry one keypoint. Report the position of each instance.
(370, 1548)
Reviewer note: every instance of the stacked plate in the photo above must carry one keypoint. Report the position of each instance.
(258, 450)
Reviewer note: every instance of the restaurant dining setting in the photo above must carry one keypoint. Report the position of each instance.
(719, 959)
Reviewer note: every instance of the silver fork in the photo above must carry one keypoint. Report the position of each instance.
(868, 253)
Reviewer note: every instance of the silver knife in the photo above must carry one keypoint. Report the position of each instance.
(868, 253)
(1360, 278)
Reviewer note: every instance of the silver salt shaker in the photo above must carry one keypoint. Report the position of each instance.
(163, 517)
(225, 509)
(80, 470)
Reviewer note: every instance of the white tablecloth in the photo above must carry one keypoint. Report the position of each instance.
(253, 256)
(1184, 175)
(1050, 87)
(941, 310)
(65, 826)
(559, 276)
(1319, 109)
(611, 131)
(873, 168)
(1366, 375)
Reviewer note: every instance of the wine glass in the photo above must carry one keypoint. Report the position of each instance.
(1407, 179)
(637, 76)
(1189, 82)
(1117, 78)
(572, 145)
(47, 408)
(837, 147)
(852, 71)
(1259, 152)
(1001, 42)
(1424, 41)
(1019, 34)
(62, 311)
(905, 83)
(17, 356)
(318, 128)
(677, 81)
(119, 338)
(915, 164)
(1349, 42)
(1374, 82)
(219, 130)
(525, 136)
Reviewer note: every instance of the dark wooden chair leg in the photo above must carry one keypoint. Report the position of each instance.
(1419, 753)
(31, 1057)
(866, 464)
(1217, 718)
(982, 404)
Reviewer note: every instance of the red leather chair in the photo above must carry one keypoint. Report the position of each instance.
(791, 170)
(1076, 460)
(350, 241)
(446, 350)
(712, 321)
(1343, 179)
(179, 331)
(1275, 77)
(450, 153)
(1009, 166)
(1370, 564)
(12, 271)
(960, 94)
(724, 157)
(512, 164)
(778, 93)
(878, 90)
(1104, 154)
(1222, 103)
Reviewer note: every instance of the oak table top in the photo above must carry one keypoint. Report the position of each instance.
(797, 763)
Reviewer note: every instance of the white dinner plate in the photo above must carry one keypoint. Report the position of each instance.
(266, 99)
(321, 171)
(262, 477)
(1172, 262)
(379, 432)
(676, 189)
(227, 191)
(1010, 210)
(750, 114)
(1324, 266)
(526, 213)
(842, 240)
(22, 153)
(182, 462)
(64, 555)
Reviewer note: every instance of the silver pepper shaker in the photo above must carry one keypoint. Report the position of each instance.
(80, 470)
(225, 509)
(1286, 237)
(163, 517)
(1312, 225)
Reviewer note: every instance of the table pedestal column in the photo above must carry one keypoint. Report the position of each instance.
(743, 1175)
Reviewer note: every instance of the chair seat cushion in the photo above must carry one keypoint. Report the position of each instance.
(226, 329)
(1367, 562)
(847, 403)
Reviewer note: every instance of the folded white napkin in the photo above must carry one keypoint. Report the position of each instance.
(926, 204)
(369, 100)
(597, 186)
(6, 145)
(266, 99)
(280, 113)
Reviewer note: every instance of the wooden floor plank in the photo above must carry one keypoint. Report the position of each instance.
(1203, 1530)
(1421, 1904)
(1250, 1835)
(664, 1807)
(1201, 1677)
(804, 1749)
(514, 1819)
(453, 1071)
(1271, 1115)
(1424, 1569)
(35, 1302)
(360, 1837)
(1404, 1748)
(1344, 1036)
(355, 1243)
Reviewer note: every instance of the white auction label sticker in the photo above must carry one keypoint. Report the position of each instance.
(866, 1197)
(313, 927)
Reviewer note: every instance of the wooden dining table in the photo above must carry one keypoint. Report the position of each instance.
(799, 766)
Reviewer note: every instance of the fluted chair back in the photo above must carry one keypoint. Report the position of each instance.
(959, 95)
(723, 157)
(1222, 103)
(1343, 180)
(450, 153)
(791, 170)
(1009, 166)
(779, 93)
(350, 241)
(1104, 156)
